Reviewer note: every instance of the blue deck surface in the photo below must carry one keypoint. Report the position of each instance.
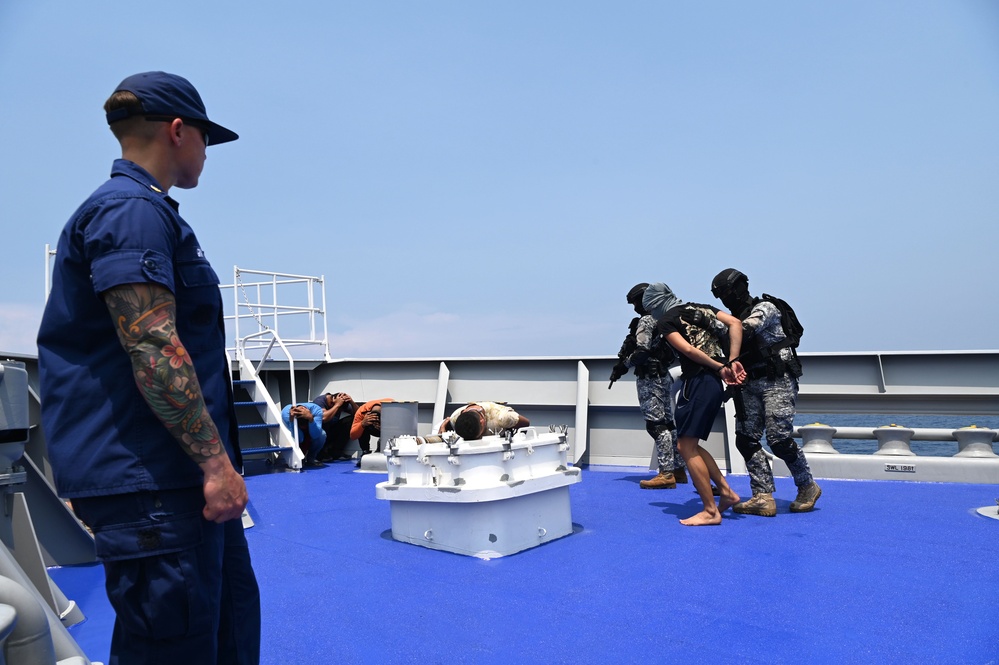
(880, 572)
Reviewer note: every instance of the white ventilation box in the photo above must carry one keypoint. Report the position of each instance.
(486, 498)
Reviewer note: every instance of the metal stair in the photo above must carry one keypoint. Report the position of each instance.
(259, 419)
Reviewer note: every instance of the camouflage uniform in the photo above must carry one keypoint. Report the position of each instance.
(655, 393)
(767, 402)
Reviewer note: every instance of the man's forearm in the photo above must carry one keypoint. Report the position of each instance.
(145, 319)
(734, 341)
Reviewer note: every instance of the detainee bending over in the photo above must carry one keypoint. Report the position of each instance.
(697, 332)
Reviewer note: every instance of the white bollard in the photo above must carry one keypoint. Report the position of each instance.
(974, 442)
(894, 440)
(817, 438)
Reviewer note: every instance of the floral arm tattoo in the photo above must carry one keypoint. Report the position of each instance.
(145, 318)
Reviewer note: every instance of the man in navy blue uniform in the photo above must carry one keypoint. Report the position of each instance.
(137, 398)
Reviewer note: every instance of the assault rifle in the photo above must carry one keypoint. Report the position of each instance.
(627, 348)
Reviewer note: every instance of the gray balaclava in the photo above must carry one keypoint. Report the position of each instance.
(659, 299)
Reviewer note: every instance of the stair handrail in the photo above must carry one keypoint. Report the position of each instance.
(275, 339)
(288, 438)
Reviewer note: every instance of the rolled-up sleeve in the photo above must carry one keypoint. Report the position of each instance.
(130, 242)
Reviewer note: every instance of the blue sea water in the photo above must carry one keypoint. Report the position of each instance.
(930, 448)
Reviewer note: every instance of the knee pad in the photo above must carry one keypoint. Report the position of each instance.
(786, 449)
(747, 447)
(655, 429)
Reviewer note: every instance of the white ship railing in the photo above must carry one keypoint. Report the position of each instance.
(290, 307)
(606, 427)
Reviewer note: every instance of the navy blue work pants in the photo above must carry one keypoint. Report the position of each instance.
(182, 588)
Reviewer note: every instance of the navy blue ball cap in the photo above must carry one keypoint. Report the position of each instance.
(170, 95)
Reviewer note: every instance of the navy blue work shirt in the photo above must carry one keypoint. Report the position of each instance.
(102, 437)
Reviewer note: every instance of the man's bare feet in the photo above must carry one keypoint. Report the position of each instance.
(703, 518)
(727, 499)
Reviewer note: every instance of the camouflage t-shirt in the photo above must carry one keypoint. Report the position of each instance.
(706, 336)
(498, 416)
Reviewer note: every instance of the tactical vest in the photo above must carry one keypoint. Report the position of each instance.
(763, 361)
(662, 353)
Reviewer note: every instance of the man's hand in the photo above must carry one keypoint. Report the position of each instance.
(335, 405)
(619, 370)
(225, 491)
(370, 418)
(733, 374)
(739, 371)
(299, 412)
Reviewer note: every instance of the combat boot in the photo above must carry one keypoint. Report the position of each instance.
(761, 504)
(807, 496)
(664, 481)
(680, 474)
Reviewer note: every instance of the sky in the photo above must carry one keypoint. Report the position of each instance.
(491, 178)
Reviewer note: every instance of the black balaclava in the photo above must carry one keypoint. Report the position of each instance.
(732, 288)
(635, 297)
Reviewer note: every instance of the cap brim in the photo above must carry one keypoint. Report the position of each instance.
(218, 134)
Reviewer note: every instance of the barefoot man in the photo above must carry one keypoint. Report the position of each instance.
(698, 332)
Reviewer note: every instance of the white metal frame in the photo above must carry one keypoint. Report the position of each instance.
(271, 293)
(264, 298)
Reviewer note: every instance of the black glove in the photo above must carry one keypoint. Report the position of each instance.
(619, 370)
(696, 318)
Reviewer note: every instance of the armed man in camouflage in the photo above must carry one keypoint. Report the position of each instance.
(766, 400)
(645, 350)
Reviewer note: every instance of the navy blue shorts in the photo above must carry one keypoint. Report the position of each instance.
(697, 405)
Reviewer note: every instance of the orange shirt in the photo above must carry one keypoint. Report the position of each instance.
(356, 429)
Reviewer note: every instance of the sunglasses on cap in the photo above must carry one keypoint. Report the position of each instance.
(193, 123)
